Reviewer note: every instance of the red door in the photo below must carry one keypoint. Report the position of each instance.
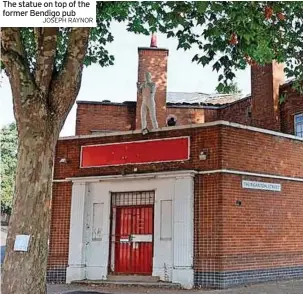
(134, 240)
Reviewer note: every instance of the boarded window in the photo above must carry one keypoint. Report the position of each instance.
(97, 221)
(166, 220)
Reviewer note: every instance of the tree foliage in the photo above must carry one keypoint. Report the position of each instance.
(227, 35)
(8, 147)
(232, 88)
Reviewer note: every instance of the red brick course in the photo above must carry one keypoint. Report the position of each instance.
(60, 224)
(266, 153)
(261, 153)
(266, 230)
(265, 85)
(192, 115)
(238, 112)
(207, 222)
(104, 117)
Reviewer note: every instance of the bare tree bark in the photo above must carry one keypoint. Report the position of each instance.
(46, 54)
(42, 101)
(24, 272)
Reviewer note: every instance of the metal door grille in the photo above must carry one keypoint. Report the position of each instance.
(132, 232)
(133, 198)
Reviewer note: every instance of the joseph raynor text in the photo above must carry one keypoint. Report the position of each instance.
(68, 20)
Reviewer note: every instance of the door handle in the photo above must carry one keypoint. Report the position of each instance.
(130, 238)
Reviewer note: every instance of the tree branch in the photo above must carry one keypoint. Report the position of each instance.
(46, 40)
(66, 84)
(37, 33)
(14, 59)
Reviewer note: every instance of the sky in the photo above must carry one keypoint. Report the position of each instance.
(117, 83)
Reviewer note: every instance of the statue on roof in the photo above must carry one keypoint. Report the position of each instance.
(148, 91)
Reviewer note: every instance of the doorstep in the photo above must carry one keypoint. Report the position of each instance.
(130, 283)
(132, 278)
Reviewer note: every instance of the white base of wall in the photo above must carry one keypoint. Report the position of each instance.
(165, 275)
(96, 273)
(75, 273)
(184, 276)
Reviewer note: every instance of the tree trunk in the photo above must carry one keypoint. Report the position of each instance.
(42, 100)
(24, 272)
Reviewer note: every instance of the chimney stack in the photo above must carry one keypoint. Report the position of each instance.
(153, 41)
(265, 86)
(154, 60)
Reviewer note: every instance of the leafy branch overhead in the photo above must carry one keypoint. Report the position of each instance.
(226, 35)
(45, 66)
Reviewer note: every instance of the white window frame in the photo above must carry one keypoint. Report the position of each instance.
(299, 115)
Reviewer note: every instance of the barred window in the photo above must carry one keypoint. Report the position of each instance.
(299, 125)
(133, 198)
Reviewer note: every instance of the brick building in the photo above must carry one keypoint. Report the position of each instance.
(214, 200)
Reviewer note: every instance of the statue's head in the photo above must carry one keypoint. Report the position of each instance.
(148, 77)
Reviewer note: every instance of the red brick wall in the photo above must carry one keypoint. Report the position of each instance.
(115, 117)
(239, 112)
(207, 222)
(191, 115)
(266, 230)
(208, 139)
(264, 220)
(60, 224)
(100, 116)
(70, 149)
(153, 60)
(265, 83)
(261, 153)
(292, 105)
(266, 153)
(229, 237)
(228, 147)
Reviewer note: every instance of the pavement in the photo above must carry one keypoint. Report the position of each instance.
(281, 287)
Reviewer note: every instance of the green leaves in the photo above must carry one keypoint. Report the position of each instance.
(229, 35)
(203, 60)
(201, 7)
(217, 66)
(231, 88)
(8, 141)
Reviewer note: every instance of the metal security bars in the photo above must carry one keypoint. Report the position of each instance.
(133, 198)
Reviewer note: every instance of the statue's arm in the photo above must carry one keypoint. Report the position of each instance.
(140, 86)
(153, 89)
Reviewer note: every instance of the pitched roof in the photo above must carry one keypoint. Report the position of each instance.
(183, 98)
(201, 98)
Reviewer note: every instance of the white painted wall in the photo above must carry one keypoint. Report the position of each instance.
(97, 249)
(173, 257)
(76, 257)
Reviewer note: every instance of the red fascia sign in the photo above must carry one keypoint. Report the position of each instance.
(135, 152)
